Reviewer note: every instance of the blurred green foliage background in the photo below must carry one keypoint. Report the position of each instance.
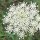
(3, 9)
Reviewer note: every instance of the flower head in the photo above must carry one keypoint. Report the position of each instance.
(22, 18)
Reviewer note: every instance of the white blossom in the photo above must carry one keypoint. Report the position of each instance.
(22, 18)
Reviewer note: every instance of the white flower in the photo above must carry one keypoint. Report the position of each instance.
(21, 18)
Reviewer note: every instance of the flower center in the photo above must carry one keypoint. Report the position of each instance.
(22, 14)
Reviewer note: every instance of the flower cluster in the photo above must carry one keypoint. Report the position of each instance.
(22, 18)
